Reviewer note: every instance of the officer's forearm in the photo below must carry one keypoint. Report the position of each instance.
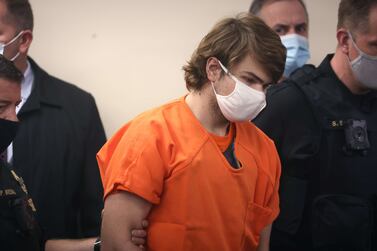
(70, 245)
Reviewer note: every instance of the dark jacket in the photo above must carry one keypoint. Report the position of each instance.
(55, 152)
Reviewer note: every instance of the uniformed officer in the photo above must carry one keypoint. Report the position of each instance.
(19, 229)
(324, 124)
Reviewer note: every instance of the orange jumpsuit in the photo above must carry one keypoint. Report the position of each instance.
(201, 202)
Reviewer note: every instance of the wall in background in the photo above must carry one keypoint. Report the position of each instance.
(129, 53)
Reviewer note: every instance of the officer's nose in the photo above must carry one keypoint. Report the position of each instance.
(292, 31)
(12, 115)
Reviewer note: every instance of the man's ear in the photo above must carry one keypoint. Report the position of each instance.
(25, 41)
(213, 69)
(344, 40)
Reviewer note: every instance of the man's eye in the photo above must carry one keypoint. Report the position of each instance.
(300, 29)
(251, 81)
(280, 30)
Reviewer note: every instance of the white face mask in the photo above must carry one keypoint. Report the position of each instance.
(297, 52)
(243, 104)
(2, 46)
(364, 68)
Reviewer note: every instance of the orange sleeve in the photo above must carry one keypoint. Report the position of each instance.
(131, 161)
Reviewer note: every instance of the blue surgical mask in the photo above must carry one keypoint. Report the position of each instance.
(297, 52)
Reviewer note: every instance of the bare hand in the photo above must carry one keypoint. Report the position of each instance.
(139, 236)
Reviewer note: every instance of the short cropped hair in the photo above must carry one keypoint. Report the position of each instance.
(230, 41)
(257, 5)
(354, 14)
(9, 71)
(20, 14)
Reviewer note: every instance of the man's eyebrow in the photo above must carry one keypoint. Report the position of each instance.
(302, 25)
(280, 25)
(252, 74)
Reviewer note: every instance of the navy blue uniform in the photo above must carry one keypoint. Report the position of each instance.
(327, 141)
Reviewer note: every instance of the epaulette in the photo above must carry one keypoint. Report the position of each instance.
(298, 78)
(304, 75)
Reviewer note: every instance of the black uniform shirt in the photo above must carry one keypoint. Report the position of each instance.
(310, 139)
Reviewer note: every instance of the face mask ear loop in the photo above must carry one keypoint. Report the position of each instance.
(223, 67)
(354, 45)
(14, 39)
(15, 57)
(227, 72)
(10, 42)
(213, 88)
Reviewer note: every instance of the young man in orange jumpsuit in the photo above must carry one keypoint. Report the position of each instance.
(203, 175)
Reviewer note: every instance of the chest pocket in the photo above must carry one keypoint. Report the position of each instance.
(348, 156)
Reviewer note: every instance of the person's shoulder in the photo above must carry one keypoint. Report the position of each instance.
(160, 129)
(154, 122)
(283, 96)
(282, 89)
(288, 92)
(304, 73)
(52, 85)
(171, 120)
(68, 90)
(159, 115)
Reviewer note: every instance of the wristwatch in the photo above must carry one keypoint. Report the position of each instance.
(97, 245)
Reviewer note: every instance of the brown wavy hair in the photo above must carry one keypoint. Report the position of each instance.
(230, 41)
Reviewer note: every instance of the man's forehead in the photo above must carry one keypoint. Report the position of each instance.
(283, 12)
(9, 87)
(250, 66)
